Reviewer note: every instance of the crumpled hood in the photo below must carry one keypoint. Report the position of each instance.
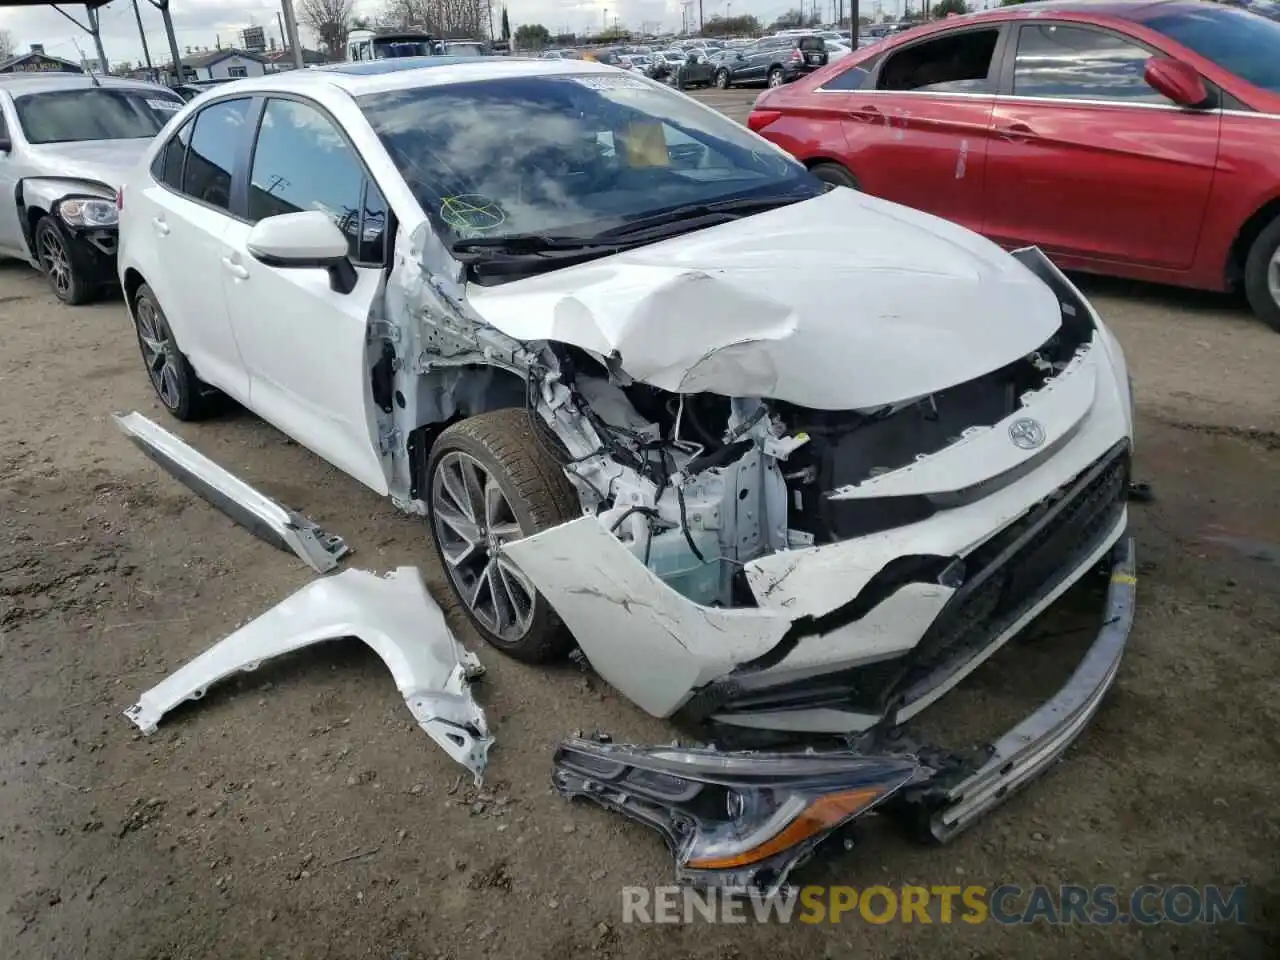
(839, 302)
(107, 162)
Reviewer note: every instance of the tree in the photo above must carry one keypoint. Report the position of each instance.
(942, 8)
(745, 25)
(6, 45)
(532, 36)
(790, 20)
(330, 19)
(447, 19)
(506, 24)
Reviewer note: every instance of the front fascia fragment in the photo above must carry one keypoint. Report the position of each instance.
(734, 820)
(394, 615)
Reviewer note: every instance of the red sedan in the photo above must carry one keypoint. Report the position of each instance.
(1125, 137)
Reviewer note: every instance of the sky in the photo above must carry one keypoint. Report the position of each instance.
(202, 23)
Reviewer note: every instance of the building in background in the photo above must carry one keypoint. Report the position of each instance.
(36, 60)
(228, 64)
(254, 39)
(282, 59)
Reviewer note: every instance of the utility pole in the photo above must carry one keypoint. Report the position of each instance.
(699, 17)
(291, 24)
(142, 34)
(284, 37)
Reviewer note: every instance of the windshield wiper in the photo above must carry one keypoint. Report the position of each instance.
(523, 243)
(733, 209)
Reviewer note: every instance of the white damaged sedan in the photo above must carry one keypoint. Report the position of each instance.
(777, 457)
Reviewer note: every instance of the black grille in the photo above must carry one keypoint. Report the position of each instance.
(1005, 577)
(1015, 569)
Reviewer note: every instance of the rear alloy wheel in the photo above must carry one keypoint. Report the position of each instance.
(775, 77)
(492, 481)
(1262, 275)
(835, 174)
(722, 79)
(175, 382)
(56, 260)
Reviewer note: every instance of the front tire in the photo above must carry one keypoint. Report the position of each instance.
(491, 480)
(1262, 275)
(60, 264)
(835, 174)
(172, 377)
(722, 79)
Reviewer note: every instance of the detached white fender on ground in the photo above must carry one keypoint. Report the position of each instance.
(394, 615)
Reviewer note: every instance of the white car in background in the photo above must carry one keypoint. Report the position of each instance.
(776, 456)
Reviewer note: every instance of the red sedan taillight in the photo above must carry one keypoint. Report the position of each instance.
(757, 120)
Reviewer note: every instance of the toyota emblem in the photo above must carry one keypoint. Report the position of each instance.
(1026, 434)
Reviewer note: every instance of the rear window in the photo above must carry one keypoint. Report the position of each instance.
(1244, 40)
(813, 44)
(97, 113)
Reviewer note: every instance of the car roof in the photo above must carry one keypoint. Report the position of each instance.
(23, 84)
(407, 73)
(1122, 9)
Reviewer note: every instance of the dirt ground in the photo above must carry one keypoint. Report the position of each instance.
(299, 812)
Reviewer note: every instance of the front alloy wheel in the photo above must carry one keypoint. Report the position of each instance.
(473, 518)
(722, 80)
(492, 480)
(58, 264)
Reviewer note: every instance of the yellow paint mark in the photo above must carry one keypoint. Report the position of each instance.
(1126, 578)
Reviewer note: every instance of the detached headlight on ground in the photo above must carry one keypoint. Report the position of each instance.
(732, 819)
(86, 212)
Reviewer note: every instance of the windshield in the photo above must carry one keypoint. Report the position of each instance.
(1244, 38)
(94, 113)
(571, 155)
(465, 49)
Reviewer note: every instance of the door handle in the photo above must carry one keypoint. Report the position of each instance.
(162, 228)
(865, 111)
(235, 269)
(1016, 132)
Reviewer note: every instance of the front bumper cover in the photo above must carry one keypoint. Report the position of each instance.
(665, 787)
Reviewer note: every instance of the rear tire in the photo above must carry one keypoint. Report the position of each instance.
(1262, 275)
(835, 174)
(519, 489)
(775, 77)
(172, 377)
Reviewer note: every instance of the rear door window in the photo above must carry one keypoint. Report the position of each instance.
(854, 78)
(220, 129)
(167, 167)
(954, 63)
(1080, 63)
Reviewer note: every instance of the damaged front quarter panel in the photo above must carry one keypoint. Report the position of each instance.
(735, 820)
(394, 615)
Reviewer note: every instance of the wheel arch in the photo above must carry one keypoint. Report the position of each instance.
(132, 282)
(1247, 234)
(451, 394)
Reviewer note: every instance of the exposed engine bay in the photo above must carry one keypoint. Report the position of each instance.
(696, 485)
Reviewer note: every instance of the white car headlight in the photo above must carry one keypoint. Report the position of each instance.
(85, 212)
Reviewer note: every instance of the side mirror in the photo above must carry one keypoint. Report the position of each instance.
(1176, 80)
(5, 144)
(306, 240)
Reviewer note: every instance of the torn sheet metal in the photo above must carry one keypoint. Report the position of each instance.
(282, 528)
(737, 820)
(393, 614)
(936, 306)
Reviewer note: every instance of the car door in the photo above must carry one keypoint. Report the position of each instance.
(304, 343)
(917, 128)
(187, 205)
(12, 240)
(753, 65)
(1087, 160)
